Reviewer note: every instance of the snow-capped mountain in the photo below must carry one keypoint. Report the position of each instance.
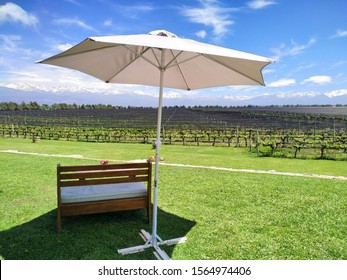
(131, 96)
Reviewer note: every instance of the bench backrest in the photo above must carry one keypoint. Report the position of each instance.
(84, 175)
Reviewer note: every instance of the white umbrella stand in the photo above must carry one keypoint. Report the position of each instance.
(145, 59)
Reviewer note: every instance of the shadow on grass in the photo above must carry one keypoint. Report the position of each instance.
(91, 237)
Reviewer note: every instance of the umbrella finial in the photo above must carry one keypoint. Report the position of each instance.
(162, 33)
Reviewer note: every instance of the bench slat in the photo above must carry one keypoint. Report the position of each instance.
(106, 173)
(104, 206)
(103, 167)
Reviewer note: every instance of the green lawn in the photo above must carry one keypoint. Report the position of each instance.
(224, 215)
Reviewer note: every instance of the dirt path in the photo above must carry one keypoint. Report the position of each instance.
(273, 172)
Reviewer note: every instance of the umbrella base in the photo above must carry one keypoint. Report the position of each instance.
(158, 252)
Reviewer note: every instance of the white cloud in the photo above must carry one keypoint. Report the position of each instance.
(108, 23)
(304, 66)
(63, 47)
(132, 11)
(339, 63)
(260, 4)
(201, 34)
(113, 27)
(293, 50)
(319, 80)
(12, 52)
(9, 42)
(335, 93)
(11, 12)
(340, 33)
(74, 2)
(211, 14)
(73, 22)
(282, 83)
(143, 8)
(268, 71)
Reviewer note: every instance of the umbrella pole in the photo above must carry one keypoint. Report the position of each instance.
(154, 240)
(157, 153)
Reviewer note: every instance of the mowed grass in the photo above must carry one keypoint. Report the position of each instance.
(224, 215)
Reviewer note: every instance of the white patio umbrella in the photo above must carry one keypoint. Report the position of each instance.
(161, 59)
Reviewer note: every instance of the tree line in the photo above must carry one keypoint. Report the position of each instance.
(33, 105)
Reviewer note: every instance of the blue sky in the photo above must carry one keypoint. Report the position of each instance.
(307, 38)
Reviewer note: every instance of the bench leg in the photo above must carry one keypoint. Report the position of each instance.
(149, 214)
(59, 221)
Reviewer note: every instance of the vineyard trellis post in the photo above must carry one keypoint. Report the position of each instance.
(258, 144)
(250, 140)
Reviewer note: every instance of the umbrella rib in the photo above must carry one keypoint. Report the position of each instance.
(141, 55)
(183, 61)
(156, 58)
(174, 59)
(132, 61)
(179, 68)
(233, 69)
(61, 55)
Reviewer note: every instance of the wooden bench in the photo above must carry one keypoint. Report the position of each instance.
(90, 189)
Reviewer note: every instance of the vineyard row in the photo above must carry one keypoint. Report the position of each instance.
(265, 142)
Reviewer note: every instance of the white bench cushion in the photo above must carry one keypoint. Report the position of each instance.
(102, 192)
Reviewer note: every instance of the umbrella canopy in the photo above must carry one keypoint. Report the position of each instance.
(161, 59)
(135, 59)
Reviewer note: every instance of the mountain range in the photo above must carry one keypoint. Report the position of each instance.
(83, 96)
